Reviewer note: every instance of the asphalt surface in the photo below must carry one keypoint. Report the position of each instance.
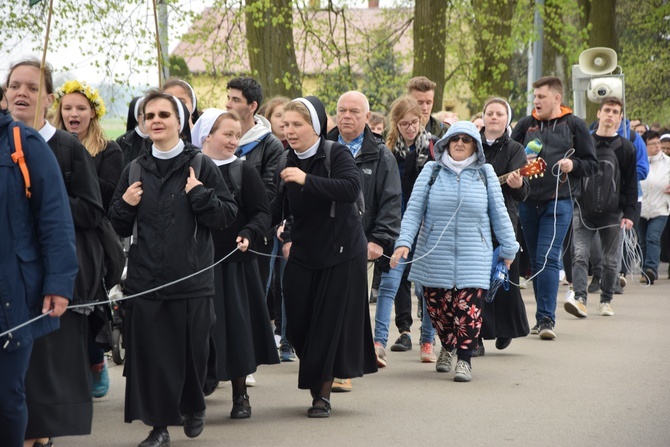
(604, 381)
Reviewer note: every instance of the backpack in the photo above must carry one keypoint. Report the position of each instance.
(135, 173)
(600, 192)
(114, 257)
(235, 174)
(327, 148)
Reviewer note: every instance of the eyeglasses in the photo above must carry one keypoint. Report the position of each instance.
(406, 125)
(464, 138)
(162, 115)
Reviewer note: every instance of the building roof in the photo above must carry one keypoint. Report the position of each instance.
(319, 37)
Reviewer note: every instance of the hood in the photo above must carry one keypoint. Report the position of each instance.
(5, 118)
(460, 127)
(564, 111)
(258, 132)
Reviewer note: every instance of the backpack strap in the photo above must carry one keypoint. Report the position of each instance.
(134, 175)
(327, 149)
(235, 173)
(196, 163)
(63, 153)
(19, 158)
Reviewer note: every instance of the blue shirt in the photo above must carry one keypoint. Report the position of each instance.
(354, 145)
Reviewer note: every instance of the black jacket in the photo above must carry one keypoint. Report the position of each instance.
(558, 137)
(380, 182)
(131, 145)
(318, 240)
(506, 155)
(265, 158)
(253, 214)
(108, 166)
(436, 128)
(173, 228)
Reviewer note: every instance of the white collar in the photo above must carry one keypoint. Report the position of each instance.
(172, 153)
(47, 131)
(309, 152)
(227, 161)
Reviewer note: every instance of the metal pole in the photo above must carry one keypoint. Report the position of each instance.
(537, 46)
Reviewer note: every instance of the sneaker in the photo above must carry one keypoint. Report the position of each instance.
(618, 290)
(535, 329)
(381, 355)
(561, 275)
(100, 379)
(463, 372)
(594, 287)
(250, 381)
(573, 306)
(523, 284)
(444, 360)
(403, 343)
(605, 309)
(341, 386)
(479, 350)
(649, 276)
(622, 280)
(547, 329)
(278, 340)
(427, 355)
(286, 352)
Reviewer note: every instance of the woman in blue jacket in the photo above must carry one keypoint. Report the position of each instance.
(455, 201)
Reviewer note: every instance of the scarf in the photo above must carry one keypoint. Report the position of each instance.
(458, 166)
(421, 145)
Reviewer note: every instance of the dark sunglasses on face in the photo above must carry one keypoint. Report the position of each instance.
(162, 115)
(464, 138)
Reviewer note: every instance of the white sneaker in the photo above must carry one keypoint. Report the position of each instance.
(250, 381)
(278, 340)
(574, 306)
(605, 310)
(463, 372)
(561, 277)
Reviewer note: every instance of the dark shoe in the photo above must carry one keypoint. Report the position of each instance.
(650, 276)
(158, 437)
(321, 411)
(594, 287)
(479, 351)
(618, 290)
(374, 293)
(502, 343)
(241, 408)
(547, 329)
(535, 330)
(49, 443)
(194, 423)
(403, 343)
(286, 352)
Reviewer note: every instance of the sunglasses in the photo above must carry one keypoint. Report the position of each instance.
(162, 115)
(464, 138)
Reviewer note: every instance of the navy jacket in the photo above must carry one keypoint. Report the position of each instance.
(37, 247)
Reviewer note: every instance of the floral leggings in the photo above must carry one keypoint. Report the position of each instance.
(456, 315)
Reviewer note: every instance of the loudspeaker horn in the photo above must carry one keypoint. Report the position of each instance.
(600, 88)
(598, 61)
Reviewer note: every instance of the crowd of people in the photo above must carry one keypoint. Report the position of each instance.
(305, 219)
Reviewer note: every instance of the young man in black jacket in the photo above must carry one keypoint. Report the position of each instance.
(545, 215)
(607, 206)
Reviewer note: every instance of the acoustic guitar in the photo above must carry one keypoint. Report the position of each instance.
(533, 169)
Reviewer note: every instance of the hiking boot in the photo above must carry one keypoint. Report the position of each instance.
(605, 309)
(403, 343)
(573, 306)
(427, 355)
(594, 287)
(547, 329)
(463, 372)
(286, 352)
(381, 355)
(444, 360)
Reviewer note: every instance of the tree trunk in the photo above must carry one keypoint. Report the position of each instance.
(271, 48)
(430, 40)
(494, 47)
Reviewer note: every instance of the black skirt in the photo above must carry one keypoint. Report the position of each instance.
(506, 316)
(166, 358)
(58, 381)
(328, 321)
(243, 337)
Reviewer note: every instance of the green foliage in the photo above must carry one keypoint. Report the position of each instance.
(644, 38)
(179, 68)
(332, 84)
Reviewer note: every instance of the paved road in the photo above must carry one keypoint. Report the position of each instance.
(604, 381)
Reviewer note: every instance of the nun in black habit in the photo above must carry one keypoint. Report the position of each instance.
(325, 281)
(242, 336)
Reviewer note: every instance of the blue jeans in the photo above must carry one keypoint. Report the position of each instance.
(649, 233)
(388, 287)
(544, 228)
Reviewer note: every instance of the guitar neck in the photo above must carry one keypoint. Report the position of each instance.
(503, 178)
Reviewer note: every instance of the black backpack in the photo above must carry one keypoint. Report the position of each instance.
(601, 191)
(327, 148)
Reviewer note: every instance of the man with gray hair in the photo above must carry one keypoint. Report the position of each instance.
(380, 183)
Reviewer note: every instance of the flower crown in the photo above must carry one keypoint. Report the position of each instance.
(81, 87)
